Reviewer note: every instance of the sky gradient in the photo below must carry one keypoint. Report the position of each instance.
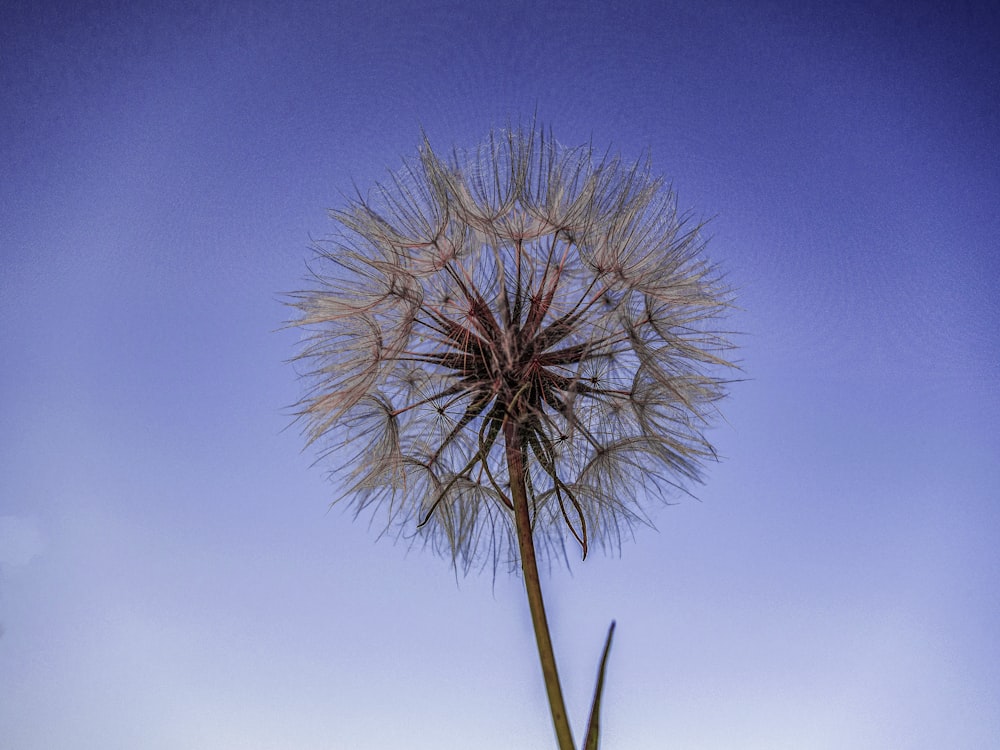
(170, 574)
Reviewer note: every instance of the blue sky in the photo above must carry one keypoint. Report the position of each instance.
(170, 576)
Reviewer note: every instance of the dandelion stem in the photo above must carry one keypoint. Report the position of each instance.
(532, 584)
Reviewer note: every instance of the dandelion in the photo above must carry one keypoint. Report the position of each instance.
(512, 349)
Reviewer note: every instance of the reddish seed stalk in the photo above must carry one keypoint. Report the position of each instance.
(532, 584)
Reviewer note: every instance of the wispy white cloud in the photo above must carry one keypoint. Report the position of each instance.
(20, 540)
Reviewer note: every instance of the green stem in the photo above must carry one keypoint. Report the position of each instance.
(529, 567)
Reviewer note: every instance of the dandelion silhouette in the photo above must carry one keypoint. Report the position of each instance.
(514, 348)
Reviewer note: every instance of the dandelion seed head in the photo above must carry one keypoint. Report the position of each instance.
(525, 284)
